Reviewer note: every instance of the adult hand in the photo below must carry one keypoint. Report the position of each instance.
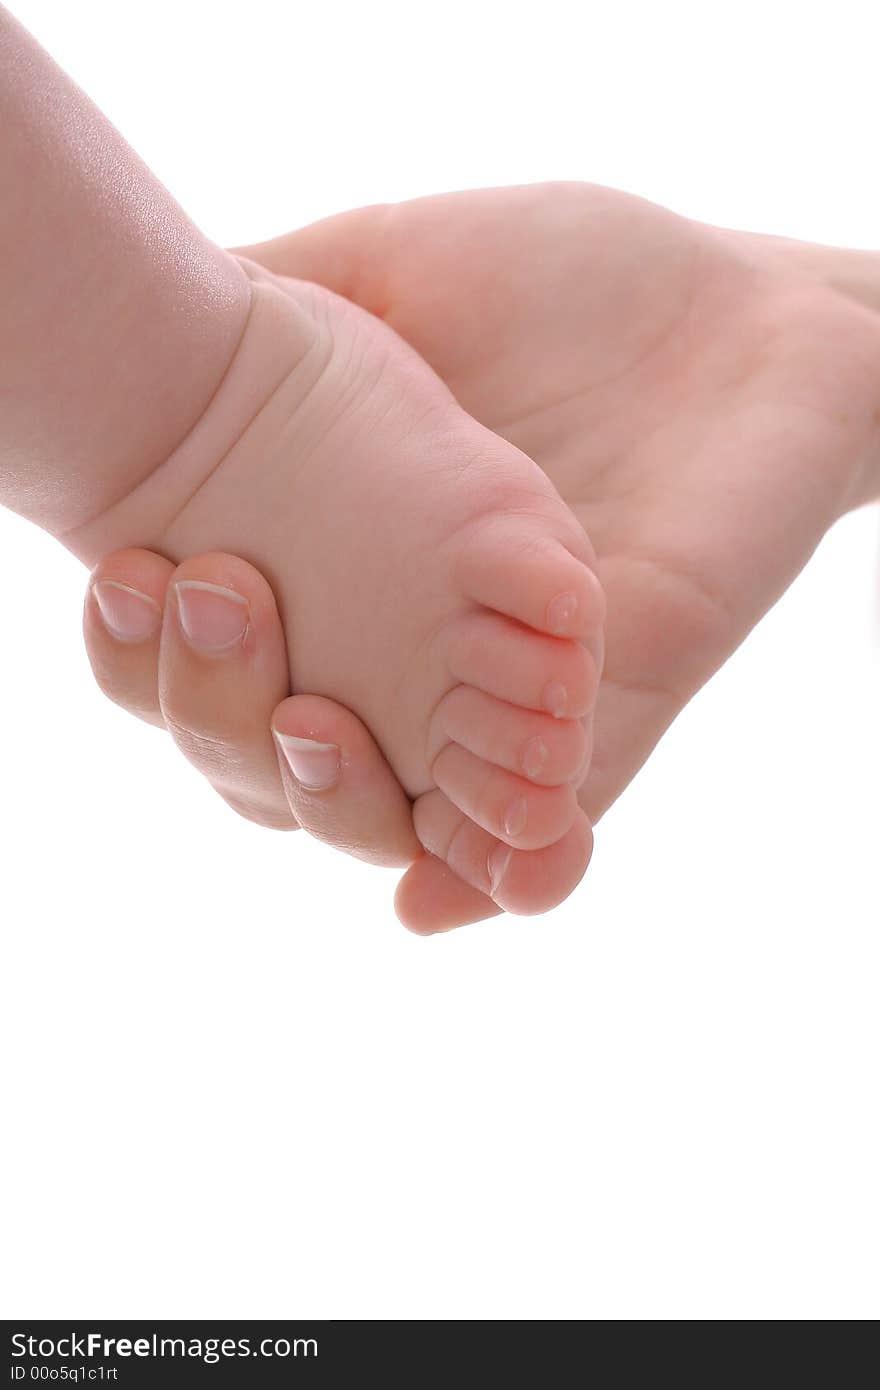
(672, 379)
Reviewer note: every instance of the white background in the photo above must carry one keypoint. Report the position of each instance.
(234, 1085)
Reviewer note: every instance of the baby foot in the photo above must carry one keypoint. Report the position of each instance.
(428, 574)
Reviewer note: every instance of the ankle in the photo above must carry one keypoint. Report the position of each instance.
(276, 343)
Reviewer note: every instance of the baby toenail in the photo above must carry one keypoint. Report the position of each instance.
(561, 611)
(515, 818)
(555, 699)
(534, 757)
(496, 864)
(314, 765)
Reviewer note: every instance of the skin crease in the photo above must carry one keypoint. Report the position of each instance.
(671, 379)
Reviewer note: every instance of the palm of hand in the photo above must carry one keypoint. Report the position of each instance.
(673, 384)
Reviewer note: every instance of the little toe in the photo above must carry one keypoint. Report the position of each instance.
(522, 814)
(532, 578)
(431, 898)
(502, 658)
(544, 750)
(521, 882)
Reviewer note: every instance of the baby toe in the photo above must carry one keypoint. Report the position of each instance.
(522, 814)
(539, 881)
(529, 575)
(536, 746)
(500, 657)
(522, 882)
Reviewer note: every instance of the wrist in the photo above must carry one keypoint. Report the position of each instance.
(853, 276)
(279, 351)
(853, 273)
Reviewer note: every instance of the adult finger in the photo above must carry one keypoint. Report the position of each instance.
(122, 626)
(223, 667)
(338, 783)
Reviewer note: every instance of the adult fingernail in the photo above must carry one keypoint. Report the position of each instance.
(497, 864)
(212, 618)
(127, 613)
(314, 765)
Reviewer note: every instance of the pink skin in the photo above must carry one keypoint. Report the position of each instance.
(159, 391)
(119, 318)
(705, 401)
(673, 382)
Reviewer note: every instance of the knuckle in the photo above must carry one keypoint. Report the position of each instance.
(210, 752)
